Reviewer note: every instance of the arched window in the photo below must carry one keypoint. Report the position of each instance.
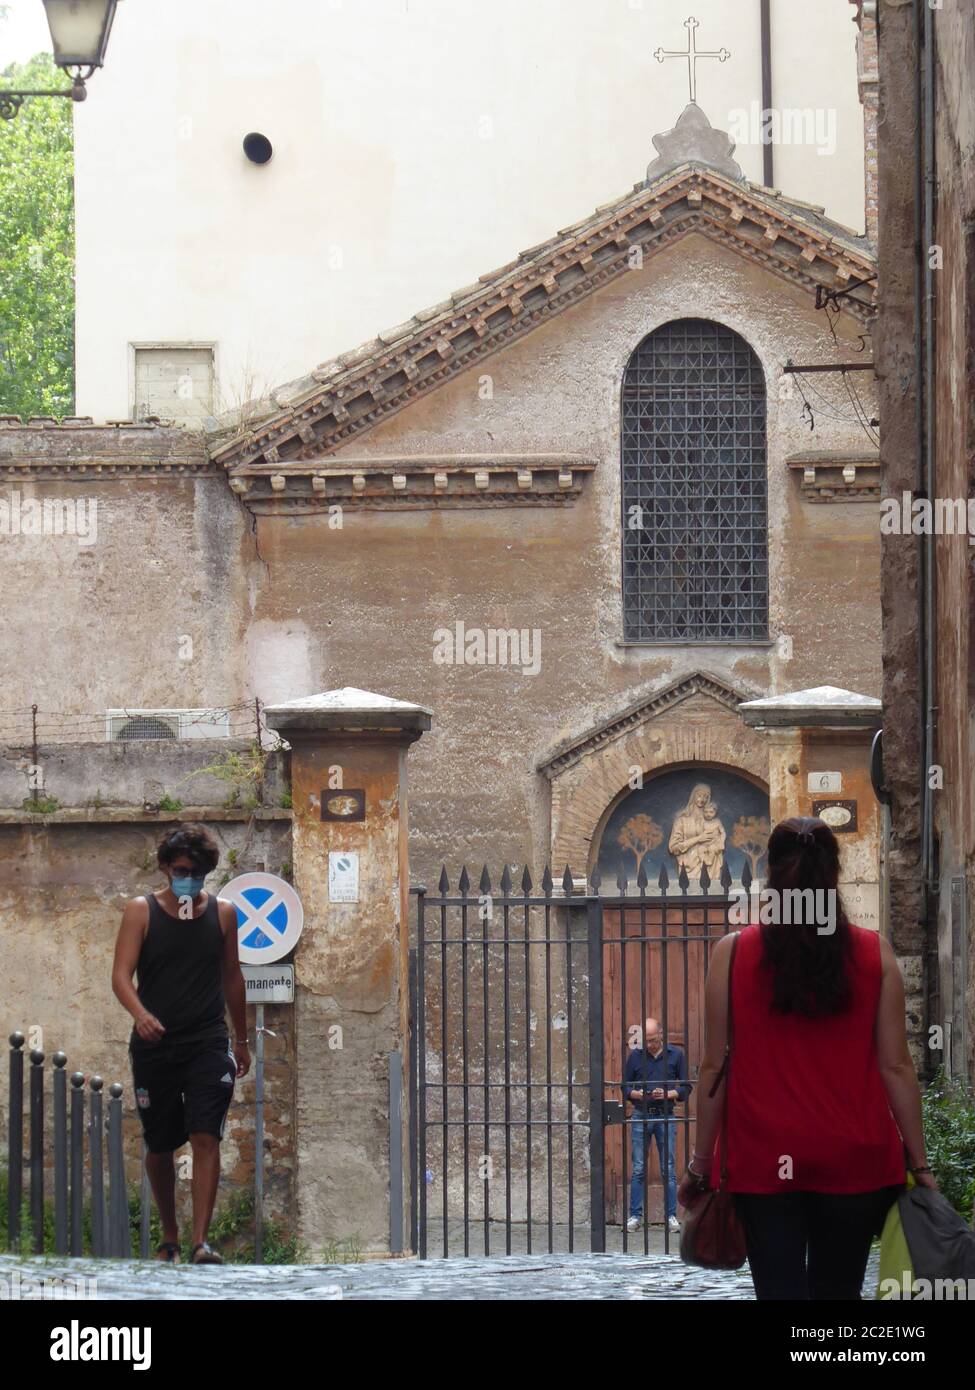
(695, 537)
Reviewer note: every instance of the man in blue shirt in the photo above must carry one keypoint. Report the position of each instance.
(654, 1078)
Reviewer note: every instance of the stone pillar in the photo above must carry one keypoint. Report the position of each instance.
(819, 764)
(348, 768)
(785, 761)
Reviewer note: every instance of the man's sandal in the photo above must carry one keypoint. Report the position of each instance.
(204, 1254)
(170, 1252)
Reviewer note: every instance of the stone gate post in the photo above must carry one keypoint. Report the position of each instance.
(351, 870)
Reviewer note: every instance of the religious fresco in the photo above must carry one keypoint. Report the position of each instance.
(690, 818)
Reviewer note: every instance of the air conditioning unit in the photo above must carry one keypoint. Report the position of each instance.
(127, 724)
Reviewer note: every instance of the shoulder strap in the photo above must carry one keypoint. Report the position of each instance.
(151, 909)
(726, 1067)
(729, 1022)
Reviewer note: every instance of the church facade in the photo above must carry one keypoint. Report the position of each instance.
(579, 510)
(583, 511)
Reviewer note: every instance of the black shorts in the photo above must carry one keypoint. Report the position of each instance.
(182, 1089)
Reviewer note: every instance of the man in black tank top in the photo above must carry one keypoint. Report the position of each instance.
(182, 945)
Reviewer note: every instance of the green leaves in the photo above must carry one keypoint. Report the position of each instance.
(949, 1136)
(37, 247)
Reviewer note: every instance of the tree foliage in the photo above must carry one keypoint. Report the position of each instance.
(37, 247)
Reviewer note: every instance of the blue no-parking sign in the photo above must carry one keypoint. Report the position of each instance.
(269, 916)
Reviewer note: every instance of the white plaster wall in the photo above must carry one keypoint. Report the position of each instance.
(418, 144)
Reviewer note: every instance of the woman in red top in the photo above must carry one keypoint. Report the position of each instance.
(823, 1098)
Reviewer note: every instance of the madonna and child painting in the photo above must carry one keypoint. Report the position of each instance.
(679, 821)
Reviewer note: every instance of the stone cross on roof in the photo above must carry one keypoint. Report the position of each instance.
(691, 54)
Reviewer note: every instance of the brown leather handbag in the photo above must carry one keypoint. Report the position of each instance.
(712, 1235)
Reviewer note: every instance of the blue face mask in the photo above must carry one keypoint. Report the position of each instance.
(188, 887)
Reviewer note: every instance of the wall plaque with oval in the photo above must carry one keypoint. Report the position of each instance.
(840, 816)
(347, 804)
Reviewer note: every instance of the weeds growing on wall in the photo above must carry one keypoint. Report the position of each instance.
(243, 773)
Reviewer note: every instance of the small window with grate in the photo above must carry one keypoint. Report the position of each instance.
(695, 524)
(144, 726)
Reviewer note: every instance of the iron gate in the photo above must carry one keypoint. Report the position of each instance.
(522, 1010)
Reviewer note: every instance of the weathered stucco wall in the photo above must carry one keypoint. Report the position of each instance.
(280, 606)
(62, 890)
(99, 624)
(558, 570)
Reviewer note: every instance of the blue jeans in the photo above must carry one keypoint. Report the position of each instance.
(641, 1132)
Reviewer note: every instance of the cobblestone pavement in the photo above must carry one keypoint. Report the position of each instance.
(648, 1240)
(532, 1277)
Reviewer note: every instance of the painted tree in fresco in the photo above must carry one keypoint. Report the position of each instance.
(639, 836)
(750, 835)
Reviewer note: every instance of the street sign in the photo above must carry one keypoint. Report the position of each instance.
(343, 876)
(269, 917)
(269, 984)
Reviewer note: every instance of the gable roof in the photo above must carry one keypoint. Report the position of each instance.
(570, 751)
(349, 395)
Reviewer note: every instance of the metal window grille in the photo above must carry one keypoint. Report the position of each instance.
(144, 726)
(695, 532)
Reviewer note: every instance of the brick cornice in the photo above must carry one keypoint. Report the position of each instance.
(413, 482)
(836, 475)
(349, 396)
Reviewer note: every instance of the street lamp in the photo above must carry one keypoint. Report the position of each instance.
(79, 34)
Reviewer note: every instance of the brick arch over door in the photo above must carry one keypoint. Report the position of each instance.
(698, 730)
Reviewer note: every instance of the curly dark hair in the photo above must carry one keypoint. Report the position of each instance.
(810, 971)
(195, 841)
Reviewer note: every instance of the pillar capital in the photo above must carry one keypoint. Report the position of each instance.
(348, 712)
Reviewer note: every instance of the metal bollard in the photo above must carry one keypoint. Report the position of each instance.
(77, 1162)
(37, 1149)
(15, 1142)
(95, 1158)
(60, 1084)
(118, 1217)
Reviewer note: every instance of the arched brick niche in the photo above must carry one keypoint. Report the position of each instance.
(691, 722)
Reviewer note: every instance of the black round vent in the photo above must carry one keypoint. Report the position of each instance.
(257, 148)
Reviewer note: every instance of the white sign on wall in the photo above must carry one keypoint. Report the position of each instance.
(343, 876)
(824, 782)
(862, 903)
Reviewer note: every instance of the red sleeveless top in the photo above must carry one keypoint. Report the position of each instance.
(807, 1088)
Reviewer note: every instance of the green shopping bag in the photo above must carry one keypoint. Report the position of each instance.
(896, 1264)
